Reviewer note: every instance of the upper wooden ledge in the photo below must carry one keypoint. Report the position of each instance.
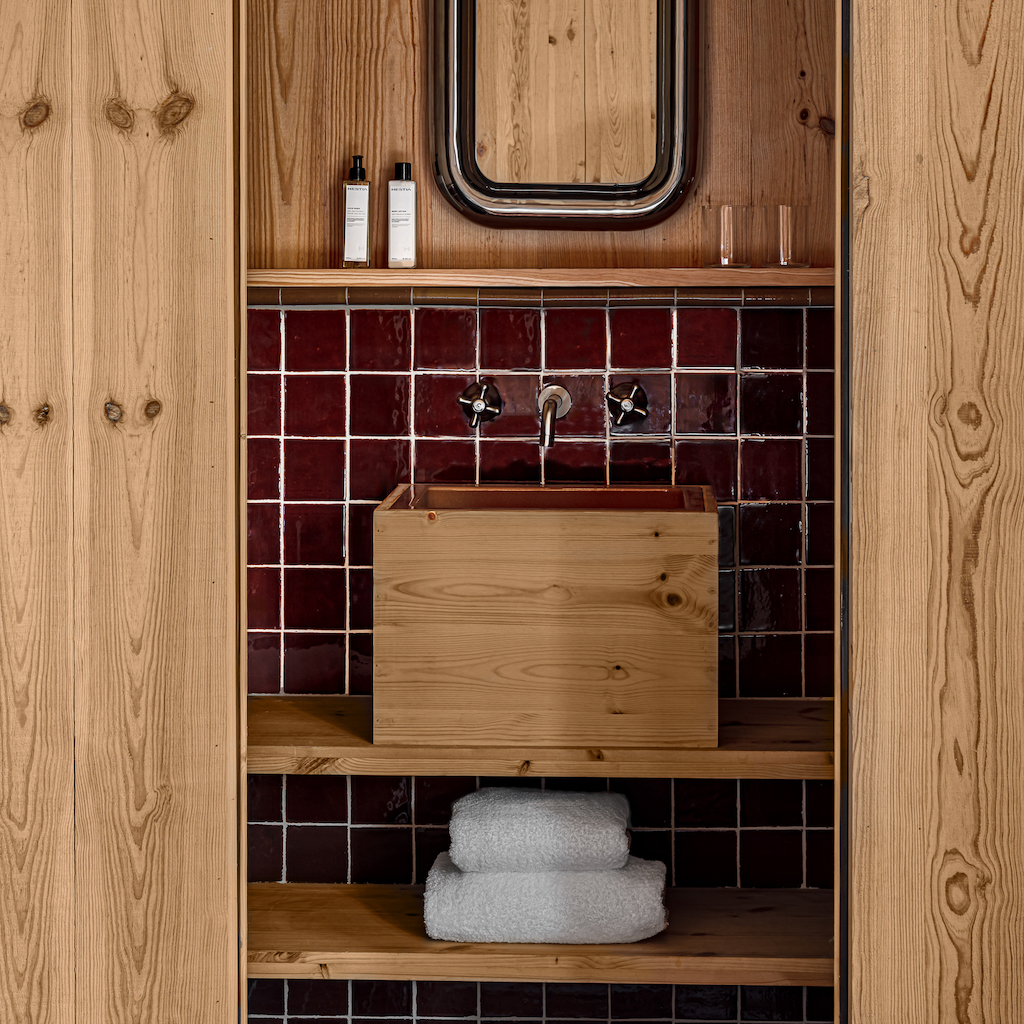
(759, 738)
(660, 277)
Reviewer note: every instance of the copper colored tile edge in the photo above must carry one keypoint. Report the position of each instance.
(444, 296)
(709, 296)
(823, 296)
(641, 296)
(380, 296)
(556, 297)
(776, 296)
(510, 296)
(313, 296)
(262, 296)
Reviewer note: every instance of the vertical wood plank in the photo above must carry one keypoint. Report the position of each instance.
(937, 538)
(36, 560)
(156, 572)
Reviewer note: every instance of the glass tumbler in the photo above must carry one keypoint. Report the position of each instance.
(785, 234)
(725, 234)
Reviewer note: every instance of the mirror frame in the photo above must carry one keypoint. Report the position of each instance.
(564, 204)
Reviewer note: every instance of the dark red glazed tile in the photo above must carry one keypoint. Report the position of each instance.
(429, 843)
(314, 598)
(576, 1001)
(314, 470)
(315, 406)
(263, 403)
(446, 998)
(438, 412)
(263, 537)
(588, 412)
(575, 462)
(263, 339)
(629, 1002)
(771, 860)
(769, 666)
(314, 662)
(726, 536)
(819, 803)
(382, 855)
(705, 859)
(771, 802)
(263, 799)
(769, 600)
(511, 999)
(641, 462)
(820, 403)
(771, 403)
(821, 345)
(314, 339)
(820, 531)
(776, 1004)
(708, 462)
(360, 582)
(381, 998)
(575, 339)
(819, 595)
(266, 995)
(727, 602)
(820, 852)
(378, 467)
(445, 339)
(770, 534)
(706, 803)
(435, 795)
(317, 996)
(448, 462)
(360, 534)
(650, 801)
(820, 468)
(820, 1000)
(317, 853)
(263, 467)
(727, 667)
(510, 339)
(706, 1002)
(519, 416)
(509, 462)
(705, 337)
(381, 800)
(658, 388)
(360, 663)
(771, 470)
(705, 403)
(772, 339)
(314, 534)
(317, 798)
(381, 339)
(380, 404)
(263, 598)
(264, 850)
(641, 337)
(263, 663)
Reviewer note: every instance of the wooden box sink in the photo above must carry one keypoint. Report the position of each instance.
(548, 616)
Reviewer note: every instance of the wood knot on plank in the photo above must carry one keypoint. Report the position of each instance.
(969, 414)
(119, 114)
(42, 414)
(113, 411)
(153, 409)
(958, 893)
(827, 126)
(5, 415)
(173, 111)
(523, 768)
(35, 113)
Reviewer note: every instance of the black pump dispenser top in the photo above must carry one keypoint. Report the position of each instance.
(403, 172)
(358, 171)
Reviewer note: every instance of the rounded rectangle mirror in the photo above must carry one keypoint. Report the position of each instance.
(565, 113)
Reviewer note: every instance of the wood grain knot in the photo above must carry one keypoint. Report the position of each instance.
(827, 125)
(804, 114)
(969, 414)
(523, 768)
(119, 114)
(113, 411)
(958, 893)
(42, 414)
(153, 408)
(35, 113)
(432, 516)
(673, 600)
(596, 754)
(173, 111)
(5, 415)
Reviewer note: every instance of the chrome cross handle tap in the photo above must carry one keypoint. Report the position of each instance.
(627, 403)
(480, 402)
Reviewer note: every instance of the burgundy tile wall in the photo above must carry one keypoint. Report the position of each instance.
(348, 401)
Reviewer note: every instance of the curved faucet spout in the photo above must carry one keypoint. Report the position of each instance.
(552, 404)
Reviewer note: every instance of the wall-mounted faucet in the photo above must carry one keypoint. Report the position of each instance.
(552, 404)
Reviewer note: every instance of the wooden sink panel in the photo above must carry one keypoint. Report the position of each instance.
(548, 627)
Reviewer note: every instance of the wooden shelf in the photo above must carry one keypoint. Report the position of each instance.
(654, 277)
(785, 738)
(715, 937)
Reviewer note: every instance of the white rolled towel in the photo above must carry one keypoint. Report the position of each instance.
(623, 905)
(498, 829)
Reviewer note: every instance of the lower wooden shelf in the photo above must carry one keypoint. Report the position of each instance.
(784, 738)
(715, 937)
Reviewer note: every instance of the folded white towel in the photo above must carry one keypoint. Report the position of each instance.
(500, 829)
(624, 905)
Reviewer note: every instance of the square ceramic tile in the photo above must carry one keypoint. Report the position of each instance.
(314, 534)
(705, 403)
(314, 470)
(575, 339)
(314, 406)
(642, 337)
(263, 403)
(706, 337)
(772, 339)
(381, 339)
(769, 666)
(445, 339)
(314, 339)
(378, 467)
(263, 663)
(380, 404)
(263, 339)
(314, 662)
(510, 339)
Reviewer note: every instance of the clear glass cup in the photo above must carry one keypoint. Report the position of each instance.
(726, 235)
(784, 229)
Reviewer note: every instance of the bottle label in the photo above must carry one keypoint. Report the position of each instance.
(357, 222)
(402, 222)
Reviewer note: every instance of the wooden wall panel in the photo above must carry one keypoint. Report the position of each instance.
(937, 535)
(36, 618)
(156, 426)
(364, 73)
